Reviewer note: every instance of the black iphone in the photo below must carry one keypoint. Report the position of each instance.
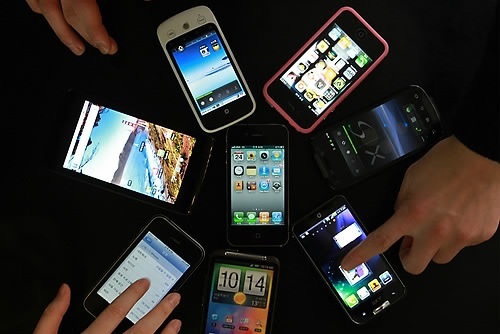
(326, 234)
(257, 184)
(372, 139)
(123, 153)
(161, 252)
(240, 293)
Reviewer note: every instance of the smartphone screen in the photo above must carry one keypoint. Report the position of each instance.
(257, 184)
(325, 69)
(207, 69)
(163, 253)
(326, 235)
(129, 155)
(241, 295)
(372, 139)
(149, 257)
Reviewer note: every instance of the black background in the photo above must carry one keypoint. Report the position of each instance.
(56, 230)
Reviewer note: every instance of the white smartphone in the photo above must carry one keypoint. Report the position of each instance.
(206, 69)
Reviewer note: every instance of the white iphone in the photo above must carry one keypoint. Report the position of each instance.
(206, 69)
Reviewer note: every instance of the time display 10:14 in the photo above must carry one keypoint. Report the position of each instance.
(242, 285)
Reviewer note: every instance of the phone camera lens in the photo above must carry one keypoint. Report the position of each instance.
(318, 215)
(186, 26)
(361, 33)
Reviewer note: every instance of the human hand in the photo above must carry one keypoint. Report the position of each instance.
(73, 20)
(449, 199)
(109, 319)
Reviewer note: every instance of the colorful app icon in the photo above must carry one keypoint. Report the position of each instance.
(251, 217)
(323, 45)
(276, 170)
(215, 45)
(229, 319)
(351, 301)
(385, 277)
(334, 33)
(264, 155)
(251, 170)
(276, 185)
(277, 156)
(344, 42)
(340, 63)
(374, 285)
(215, 316)
(264, 217)
(339, 83)
(204, 51)
(238, 170)
(331, 55)
(251, 155)
(264, 171)
(363, 293)
(238, 217)
(238, 156)
(355, 275)
(350, 72)
(264, 185)
(277, 217)
(251, 185)
(362, 60)
(238, 185)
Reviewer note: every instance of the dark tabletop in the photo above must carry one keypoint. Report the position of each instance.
(56, 229)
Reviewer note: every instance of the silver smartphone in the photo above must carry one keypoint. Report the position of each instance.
(206, 68)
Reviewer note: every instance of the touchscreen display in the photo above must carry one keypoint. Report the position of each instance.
(239, 298)
(207, 69)
(328, 241)
(153, 259)
(330, 65)
(129, 152)
(258, 185)
(375, 138)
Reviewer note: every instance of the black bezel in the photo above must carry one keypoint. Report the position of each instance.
(332, 163)
(242, 259)
(286, 98)
(173, 236)
(398, 289)
(66, 121)
(257, 134)
(228, 113)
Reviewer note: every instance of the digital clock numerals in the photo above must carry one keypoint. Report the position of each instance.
(230, 279)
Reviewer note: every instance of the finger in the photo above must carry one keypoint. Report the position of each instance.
(85, 17)
(53, 13)
(377, 241)
(173, 327)
(446, 254)
(54, 312)
(425, 245)
(34, 5)
(155, 318)
(112, 315)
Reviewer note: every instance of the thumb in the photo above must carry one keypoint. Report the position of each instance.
(54, 312)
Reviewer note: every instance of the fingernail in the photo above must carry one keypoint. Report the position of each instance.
(176, 324)
(102, 47)
(76, 49)
(174, 298)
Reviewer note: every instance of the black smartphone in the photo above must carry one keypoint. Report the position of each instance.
(206, 68)
(163, 253)
(325, 70)
(257, 184)
(128, 155)
(372, 139)
(326, 234)
(240, 293)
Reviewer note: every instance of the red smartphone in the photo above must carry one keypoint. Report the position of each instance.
(325, 70)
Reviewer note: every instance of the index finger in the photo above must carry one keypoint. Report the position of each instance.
(89, 24)
(378, 241)
(113, 315)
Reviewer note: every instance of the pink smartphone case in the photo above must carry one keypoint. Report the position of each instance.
(283, 112)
